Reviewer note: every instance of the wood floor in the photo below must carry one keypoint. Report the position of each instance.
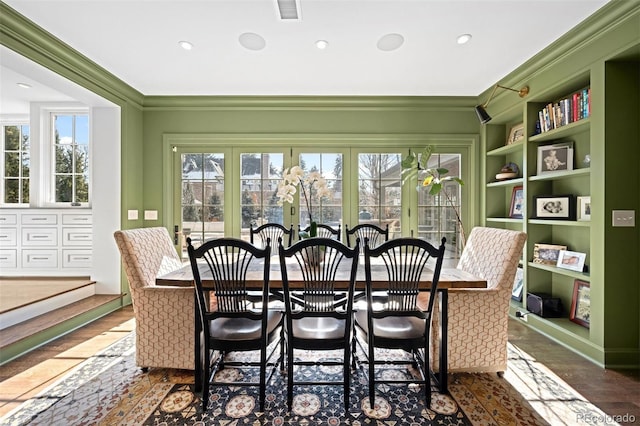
(614, 392)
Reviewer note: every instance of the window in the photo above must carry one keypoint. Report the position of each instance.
(327, 210)
(71, 158)
(16, 163)
(379, 188)
(260, 174)
(203, 184)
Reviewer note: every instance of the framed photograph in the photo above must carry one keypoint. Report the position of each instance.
(572, 260)
(518, 282)
(516, 134)
(555, 158)
(517, 202)
(581, 303)
(556, 207)
(547, 254)
(584, 208)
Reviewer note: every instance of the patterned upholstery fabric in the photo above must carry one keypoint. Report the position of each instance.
(478, 318)
(164, 315)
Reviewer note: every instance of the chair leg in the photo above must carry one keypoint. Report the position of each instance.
(345, 373)
(263, 373)
(372, 377)
(289, 376)
(205, 378)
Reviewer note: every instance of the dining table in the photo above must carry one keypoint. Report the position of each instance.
(450, 278)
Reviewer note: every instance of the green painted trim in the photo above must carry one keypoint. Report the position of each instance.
(25, 37)
(32, 342)
(295, 103)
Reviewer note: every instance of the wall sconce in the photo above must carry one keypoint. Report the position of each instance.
(483, 116)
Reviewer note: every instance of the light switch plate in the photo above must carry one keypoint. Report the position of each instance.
(132, 214)
(151, 215)
(626, 218)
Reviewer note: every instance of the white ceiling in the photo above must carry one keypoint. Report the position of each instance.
(137, 40)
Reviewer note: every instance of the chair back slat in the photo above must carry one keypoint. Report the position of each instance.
(375, 234)
(270, 231)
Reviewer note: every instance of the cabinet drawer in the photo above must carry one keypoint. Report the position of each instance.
(76, 258)
(8, 237)
(8, 219)
(77, 236)
(32, 259)
(32, 237)
(39, 219)
(77, 219)
(8, 259)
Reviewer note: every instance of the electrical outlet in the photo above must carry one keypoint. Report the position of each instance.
(132, 214)
(626, 218)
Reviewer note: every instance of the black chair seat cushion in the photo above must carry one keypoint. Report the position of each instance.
(392, 327)
(323, 328)
(242, 328)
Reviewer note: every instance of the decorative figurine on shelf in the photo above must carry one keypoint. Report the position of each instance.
(508, 171)
(587, 160)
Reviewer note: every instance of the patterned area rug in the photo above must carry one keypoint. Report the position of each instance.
(108, 389)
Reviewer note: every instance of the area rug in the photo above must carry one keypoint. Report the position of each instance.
(108, 389)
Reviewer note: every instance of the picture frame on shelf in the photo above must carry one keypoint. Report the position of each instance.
(516, 134)
(584, 208)
(555, 158)
(555, 207)
(581, 303)
(518, 284)
(571, 260)
(547, 254)
(517, 203)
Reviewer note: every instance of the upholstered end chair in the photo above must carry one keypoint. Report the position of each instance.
(478, 318)
(164, 315)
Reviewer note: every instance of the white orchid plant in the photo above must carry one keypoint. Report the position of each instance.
(311, 184)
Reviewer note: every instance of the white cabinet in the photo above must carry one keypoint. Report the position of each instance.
(36, 242)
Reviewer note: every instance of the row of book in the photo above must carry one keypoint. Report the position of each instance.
(568, 110)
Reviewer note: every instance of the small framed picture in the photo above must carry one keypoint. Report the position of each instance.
(555, 158)
(584, 208)
(516, 134)
(581, 303)
(556, 207)
(517, 202)
(572, 260)
(547, 254)
(518, 282)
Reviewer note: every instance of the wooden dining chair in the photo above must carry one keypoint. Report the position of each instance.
(374, 233)
(270, 231)
(325, 231)
(319, 315)
(394, 318)
(239, 322)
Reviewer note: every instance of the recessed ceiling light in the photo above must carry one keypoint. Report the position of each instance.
(463, 38)
(252, 41)
(24, 85)
(185, 45)
(322, 44)
(390, 42)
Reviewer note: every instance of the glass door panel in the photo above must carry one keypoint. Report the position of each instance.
(260, 174)
(379, 188)
(326, 210)
(202, 200)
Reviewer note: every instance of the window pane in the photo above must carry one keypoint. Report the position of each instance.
(379, 195)
(12, 190)
(202, 197)
(64, 189)
(11, 164)
(81, 159)
(260, 174)
(64, 159)
(327, 209)
(82, 189)
(11, 138)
